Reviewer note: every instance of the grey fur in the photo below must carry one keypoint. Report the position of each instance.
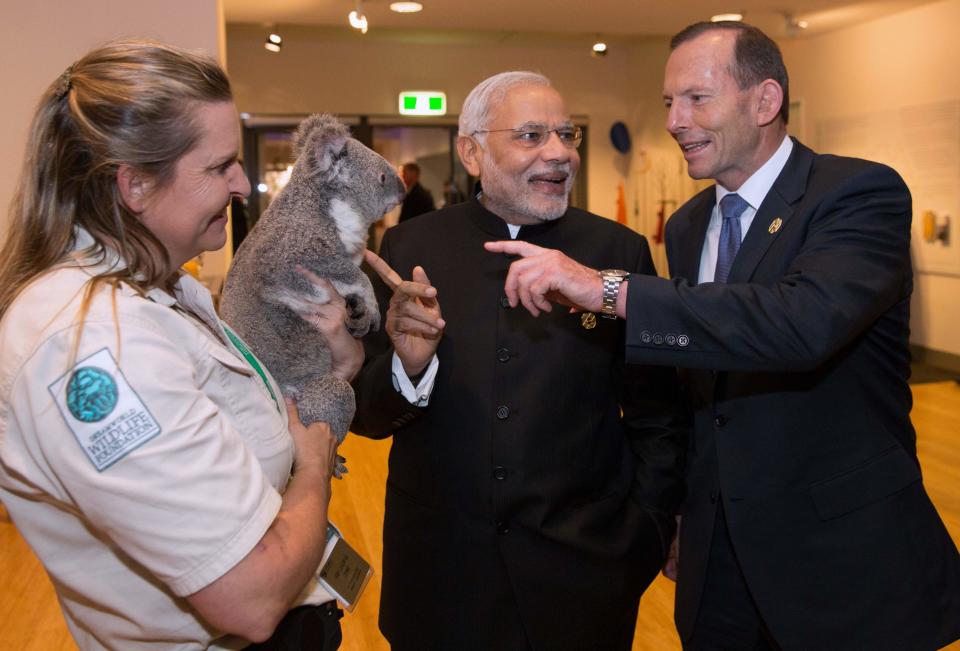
(337, 189)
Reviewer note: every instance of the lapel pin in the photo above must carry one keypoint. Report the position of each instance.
(775, 225)
(588, 320)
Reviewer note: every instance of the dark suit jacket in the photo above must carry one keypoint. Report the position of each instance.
(520, 502)
(418, 201)
(801, 408)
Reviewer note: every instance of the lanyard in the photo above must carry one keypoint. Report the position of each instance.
(242, 347)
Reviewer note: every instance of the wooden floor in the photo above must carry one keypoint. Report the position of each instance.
(30, 619)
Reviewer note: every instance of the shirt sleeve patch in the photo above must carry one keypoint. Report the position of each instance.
(107, 417)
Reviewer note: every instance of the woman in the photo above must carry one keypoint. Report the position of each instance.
(174, 500)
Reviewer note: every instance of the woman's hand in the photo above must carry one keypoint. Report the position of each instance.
(329, 319)
(316, 446)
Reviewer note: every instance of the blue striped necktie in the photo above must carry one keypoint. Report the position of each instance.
(731, 207)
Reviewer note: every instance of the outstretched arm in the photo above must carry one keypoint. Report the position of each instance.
(542, 276)
(850, 266)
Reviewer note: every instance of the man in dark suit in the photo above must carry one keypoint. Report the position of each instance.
(806, 524)
(530, 497)
(418, 199)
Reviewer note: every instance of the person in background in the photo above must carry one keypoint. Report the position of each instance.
(146, 456)
(532, 478)
(806, 524)
(451, 193)
(418, 199)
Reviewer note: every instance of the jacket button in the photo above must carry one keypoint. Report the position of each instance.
(658, 339)
(720, 420)
(713, 497)
(503, 354)
(502, 527)
(502, 412)
(499, 473)
(504, 301)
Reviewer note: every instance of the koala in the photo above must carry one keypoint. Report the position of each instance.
(337, 189)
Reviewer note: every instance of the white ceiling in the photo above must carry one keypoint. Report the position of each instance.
(610, 18)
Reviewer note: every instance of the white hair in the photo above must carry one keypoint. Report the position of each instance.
(489, 93)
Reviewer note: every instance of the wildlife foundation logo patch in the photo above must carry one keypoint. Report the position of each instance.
(104, 413)
(91, 394)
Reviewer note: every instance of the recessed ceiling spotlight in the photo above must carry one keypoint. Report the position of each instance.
(599, 49)
(274, 41)
(406, 7)
(358, 21)
(723, 17)
(794, 26)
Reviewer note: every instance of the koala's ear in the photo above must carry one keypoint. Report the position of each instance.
(320, 139)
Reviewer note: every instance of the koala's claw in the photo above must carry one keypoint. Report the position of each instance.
(341, 468)
(355, 306)
(358, 322)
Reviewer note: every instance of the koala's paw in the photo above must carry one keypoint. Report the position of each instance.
(358, 317)
(341, 468)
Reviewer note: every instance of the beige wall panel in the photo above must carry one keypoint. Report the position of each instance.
(905, 60)
(40, 38)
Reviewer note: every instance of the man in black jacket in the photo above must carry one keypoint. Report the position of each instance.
(418, 199)
(533, 477)
(806, 524)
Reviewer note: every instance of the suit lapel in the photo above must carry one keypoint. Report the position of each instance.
(691, 244)
(774, 214)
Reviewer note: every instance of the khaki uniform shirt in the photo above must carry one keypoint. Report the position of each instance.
(142, 462)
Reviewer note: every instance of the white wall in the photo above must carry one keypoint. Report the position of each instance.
(905, 60)
(40, 38)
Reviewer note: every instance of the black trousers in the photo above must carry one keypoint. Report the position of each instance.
(728, 618)
(306, 628)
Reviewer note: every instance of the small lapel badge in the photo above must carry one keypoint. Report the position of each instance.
(775, 225)
(588, 320)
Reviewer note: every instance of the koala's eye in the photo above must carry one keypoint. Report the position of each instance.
(383, 178)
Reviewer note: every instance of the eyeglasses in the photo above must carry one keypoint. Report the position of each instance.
(532, 136)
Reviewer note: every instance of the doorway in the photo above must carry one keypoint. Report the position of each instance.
(268, 160)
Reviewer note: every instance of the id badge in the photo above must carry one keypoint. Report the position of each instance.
(343, 572)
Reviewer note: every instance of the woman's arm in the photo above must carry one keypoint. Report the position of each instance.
(251, 598)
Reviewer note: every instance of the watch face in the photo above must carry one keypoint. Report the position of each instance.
(617, 273)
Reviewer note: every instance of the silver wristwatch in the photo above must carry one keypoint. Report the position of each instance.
(612, 279)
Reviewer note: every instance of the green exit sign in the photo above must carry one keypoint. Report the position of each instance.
(423, 102)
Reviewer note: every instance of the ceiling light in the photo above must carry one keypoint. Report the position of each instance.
(406, 7)
(599, 49)
(793, 27)
(357, 19)
(722, 17)
(274, 41)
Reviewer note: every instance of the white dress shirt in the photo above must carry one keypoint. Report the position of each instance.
(753, 191)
